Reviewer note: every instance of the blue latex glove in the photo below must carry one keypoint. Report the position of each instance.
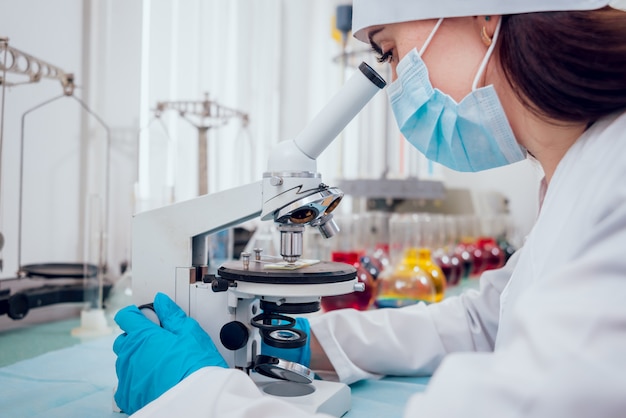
(151, 358)
(300, 355)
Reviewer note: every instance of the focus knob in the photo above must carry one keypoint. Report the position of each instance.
(234, 335)
(219, 285)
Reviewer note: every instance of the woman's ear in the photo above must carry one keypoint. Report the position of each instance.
(486, 26)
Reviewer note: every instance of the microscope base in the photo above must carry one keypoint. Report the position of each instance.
(321, 396)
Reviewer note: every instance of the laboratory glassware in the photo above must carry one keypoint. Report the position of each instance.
(361, 301)
(445, 256)
(408, 279)
(349, 248)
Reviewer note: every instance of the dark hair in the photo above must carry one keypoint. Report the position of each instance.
(566, 66)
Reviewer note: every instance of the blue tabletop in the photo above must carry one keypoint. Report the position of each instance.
(78, 381)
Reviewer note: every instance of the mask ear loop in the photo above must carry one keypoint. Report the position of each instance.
(483, 64)
(430, 37)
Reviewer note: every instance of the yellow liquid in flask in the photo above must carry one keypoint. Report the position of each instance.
(416, 278)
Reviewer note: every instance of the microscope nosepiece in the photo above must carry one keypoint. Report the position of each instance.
(310, 206)
(303, 215)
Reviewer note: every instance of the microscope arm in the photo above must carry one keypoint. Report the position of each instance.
(163, 238)
(168, 240)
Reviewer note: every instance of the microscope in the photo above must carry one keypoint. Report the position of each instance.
(252, 299)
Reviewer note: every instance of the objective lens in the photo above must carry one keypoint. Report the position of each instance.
(327, 226)
(302, 215)
(332, 206)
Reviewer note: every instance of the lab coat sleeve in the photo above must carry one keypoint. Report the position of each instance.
(567, 353)
(412, 340)
(214, 392)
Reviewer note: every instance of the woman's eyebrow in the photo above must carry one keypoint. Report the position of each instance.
(370, 37)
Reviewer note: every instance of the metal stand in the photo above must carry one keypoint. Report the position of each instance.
(210, 115)
(22, 64)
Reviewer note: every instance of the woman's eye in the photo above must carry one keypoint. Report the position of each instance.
(385, 57)
(381, 56)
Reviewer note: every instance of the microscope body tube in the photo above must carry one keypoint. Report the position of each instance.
(342, 108)
(292, 164)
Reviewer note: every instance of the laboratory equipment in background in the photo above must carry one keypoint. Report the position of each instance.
(493, 254)
(429, 233)
(375, 236)
(446, 256)
(204, 115)
(42, 284)
(474, 232)
(504, 234)
(466, 248)
(251, 298)
(412, 276)
(93, 321)
(343, 25)
(478, 244)
(349, 247)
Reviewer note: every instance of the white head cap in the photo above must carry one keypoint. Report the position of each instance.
(368, 13)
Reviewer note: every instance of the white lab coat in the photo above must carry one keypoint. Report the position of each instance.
(544, 337)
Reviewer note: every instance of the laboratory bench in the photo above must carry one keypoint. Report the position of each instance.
(45, 371)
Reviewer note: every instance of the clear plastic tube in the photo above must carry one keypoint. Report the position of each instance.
(93, 253)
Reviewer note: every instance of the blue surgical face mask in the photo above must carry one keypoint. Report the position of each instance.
(472, 135)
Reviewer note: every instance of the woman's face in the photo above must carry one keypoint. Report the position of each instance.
(453, 57)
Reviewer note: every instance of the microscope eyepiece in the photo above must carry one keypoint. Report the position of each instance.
(372, 75)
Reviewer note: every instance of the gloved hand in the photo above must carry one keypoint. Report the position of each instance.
(300, 355)
(151, 358)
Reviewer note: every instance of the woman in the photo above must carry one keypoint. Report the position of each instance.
(545, 335)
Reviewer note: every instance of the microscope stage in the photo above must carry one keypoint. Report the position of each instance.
(324, 272)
